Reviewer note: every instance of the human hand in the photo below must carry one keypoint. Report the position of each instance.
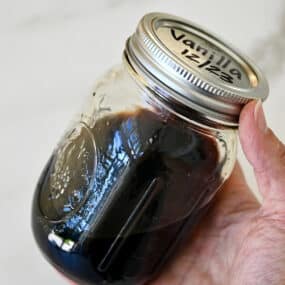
(240, 242)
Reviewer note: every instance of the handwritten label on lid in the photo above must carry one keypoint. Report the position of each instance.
(202, 56)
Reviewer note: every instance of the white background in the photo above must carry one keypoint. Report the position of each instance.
(51, 52)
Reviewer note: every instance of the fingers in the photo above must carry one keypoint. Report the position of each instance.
(235, 193)
(237, 180)
(264, 151)
(236, 185)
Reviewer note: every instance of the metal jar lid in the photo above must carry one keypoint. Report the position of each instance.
(189, 66)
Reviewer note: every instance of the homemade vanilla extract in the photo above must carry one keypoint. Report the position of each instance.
(158, 173)
(138, 169)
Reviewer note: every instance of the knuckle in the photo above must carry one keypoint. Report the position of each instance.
(282, 152)
(278, 149)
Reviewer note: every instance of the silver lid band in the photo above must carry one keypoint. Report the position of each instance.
(194, 67)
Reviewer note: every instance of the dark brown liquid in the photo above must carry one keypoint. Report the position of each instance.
(116, 219)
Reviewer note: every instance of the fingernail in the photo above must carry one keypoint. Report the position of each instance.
(259, 117)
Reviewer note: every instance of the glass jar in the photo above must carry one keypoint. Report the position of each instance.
(136, 172)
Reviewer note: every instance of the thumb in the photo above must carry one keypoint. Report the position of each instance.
(264, 151)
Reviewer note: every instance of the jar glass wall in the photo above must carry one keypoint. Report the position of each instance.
(126, 183)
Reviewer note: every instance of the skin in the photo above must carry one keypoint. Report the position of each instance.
(241, 241)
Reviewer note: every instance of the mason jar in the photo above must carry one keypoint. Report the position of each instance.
(139, 167)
